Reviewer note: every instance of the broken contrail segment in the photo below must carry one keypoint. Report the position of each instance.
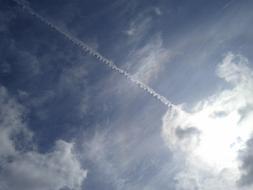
(86, 49)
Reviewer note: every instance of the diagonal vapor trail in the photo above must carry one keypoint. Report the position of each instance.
(86, 49)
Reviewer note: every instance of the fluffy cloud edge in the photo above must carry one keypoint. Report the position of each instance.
(229, 103)
(25, 167)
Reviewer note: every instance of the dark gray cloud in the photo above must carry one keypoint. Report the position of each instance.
(187, 132)
(246, 158)
(219, 114)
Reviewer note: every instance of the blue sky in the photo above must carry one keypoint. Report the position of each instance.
(68, 121)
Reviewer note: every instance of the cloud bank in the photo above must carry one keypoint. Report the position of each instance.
(22, 166)
(216, 131)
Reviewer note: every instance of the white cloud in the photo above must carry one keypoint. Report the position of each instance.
(141, 23)
(235, 70)
(138, 27)
(10, 122)
(74, 76)
(74, 79)
(128, 152)
(158, 11)
(50, 171)
(224, 122)
(148, 60)
(22, 167)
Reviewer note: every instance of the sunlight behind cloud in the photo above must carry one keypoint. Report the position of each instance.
(223, 121)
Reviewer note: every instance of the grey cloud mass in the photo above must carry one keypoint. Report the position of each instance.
(247, 167)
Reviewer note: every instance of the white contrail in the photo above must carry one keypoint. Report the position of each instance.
(97, 55)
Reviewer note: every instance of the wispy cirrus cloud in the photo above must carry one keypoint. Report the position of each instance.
(86, 49)
(147, 61)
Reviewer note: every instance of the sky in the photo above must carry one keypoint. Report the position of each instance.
(126, 95)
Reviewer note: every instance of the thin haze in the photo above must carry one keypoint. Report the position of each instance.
(86, 49)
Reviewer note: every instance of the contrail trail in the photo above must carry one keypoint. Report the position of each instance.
(85, 48)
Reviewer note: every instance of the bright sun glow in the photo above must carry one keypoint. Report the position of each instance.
(219, 141)
(217, 128)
